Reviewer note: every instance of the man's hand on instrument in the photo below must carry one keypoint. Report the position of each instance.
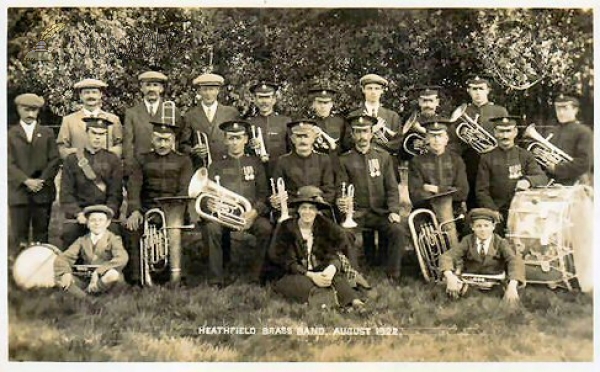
(81, 219)
(551, 168)
(318, 279)
(34, 184)
(276, 200)
(93, 286)
(134, 221)
(254, 144)
(394, 218)
(452, 284)
(343, 204)
(250, 216)
(200, 150)
(431, 188)
(511, 295)
(65, 281)
(522, 185)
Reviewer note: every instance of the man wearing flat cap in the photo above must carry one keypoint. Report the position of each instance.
(505, 170)
(244, 175)
(573, 138)
(137, 130)
(272, 125)
(376, 199)
(72, 136)
(32, 163)
(162, 172)
(205, 118)
(91, 176)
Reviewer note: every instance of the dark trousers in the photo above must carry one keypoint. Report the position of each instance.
(73, 230)
(22, 216)
(131, 240)
(297, 287)
(212, 234)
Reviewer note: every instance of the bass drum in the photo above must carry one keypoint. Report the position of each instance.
(34, 266)
(552, 228)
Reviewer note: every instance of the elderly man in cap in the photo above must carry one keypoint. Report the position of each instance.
(272, 124)
(72, 136)
(245, 176)
(90, 176)
(100, 252)
(573, 138)
(137, 130)
(376, 200)
(436, 172)
(205, 118)
(32, 163)
(162, 172)
(506, 169)
(484, 253)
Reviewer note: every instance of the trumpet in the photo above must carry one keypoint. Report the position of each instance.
(349, 222)
(203, 140)
(546, 154)
(279, 191)
(473, 134)
(415, 144)
(261, 152)
(325, 139)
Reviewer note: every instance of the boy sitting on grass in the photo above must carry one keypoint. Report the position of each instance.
(484, 253)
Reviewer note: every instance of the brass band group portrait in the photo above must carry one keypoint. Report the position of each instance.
(326, 203)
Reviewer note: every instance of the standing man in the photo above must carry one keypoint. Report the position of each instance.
(72, 136)
(205, 118)
(32, 164)
(271, 123)
(90, 176)
(376, 200)
(322, 95)
(505, 170)
(245, 176)
(137, 131)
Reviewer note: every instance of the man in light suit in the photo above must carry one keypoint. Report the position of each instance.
(205, 118)
(72, 135)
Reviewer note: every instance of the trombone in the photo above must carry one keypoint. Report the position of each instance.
(470, 132)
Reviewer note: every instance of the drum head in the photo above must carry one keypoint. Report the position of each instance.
(34, 266)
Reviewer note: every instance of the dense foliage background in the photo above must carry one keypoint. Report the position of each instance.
(529, 53)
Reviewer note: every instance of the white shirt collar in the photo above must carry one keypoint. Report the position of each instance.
(95, 238)
(153, 106)
(486, 244)
(28, 128)
(213, 106)
(371, 107)
(91, 113)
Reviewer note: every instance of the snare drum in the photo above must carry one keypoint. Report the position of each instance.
(552, 228)
(34, 266)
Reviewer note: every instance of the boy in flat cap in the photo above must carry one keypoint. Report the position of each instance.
(137, 130)
(91, 176)
(506, 169)
(205, 118)
(100, 253)
(32, 163)
(72, 136)
(244, 175)
(482, 252)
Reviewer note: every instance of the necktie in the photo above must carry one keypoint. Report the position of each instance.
(481, 249)
(209, 113)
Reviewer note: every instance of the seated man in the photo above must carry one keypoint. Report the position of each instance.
(482, 252)
(100, 250)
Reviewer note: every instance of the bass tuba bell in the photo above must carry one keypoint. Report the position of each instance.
(470, 132)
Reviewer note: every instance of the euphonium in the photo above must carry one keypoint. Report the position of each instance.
(415, 144)
(154, 245)
(203, 140)
(545, 153)
(279, 191)
(323, 137)
(223, 206)
(349, 222)
(261, 152)
(473, 134)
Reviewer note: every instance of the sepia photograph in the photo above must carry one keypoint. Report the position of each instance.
(370, 182)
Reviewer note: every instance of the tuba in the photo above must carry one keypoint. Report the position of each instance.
(203, 140)
(349, 222)
(470, 132)
(545, 153)
(216, 203)
(279, 191)
(261, 152)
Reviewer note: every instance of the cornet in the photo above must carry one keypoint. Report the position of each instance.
(203, 140)
(349, 222)
(473, 134)
(546, 154)
(279, 192)
(324, 138)
(261, 152)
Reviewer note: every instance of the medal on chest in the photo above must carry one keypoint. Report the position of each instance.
(374, 168)
(514, 172)
(248, 173)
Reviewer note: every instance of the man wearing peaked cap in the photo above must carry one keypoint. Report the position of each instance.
(506, 169)
(245, 176)
(205, 118)
(32, 164)
(321, 95)
(72, 136)
(91, 176)
(137, 130)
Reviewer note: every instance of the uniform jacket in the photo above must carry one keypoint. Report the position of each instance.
(499, 171)
(78, 192)
(500, 257)
(577, 140)
(38, 159)
(335, 127)
(195, 120)
(315, 170)
(156, 176)
(392, 121)
(245, 176)
(108, 253)
(374, 180)
(275, 134)
(137, 130)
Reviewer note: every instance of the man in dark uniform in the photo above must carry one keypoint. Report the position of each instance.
(573, 138)
(205, 118)
(161, 172)
(272, 124)
(245, 176)
(376, 199)
(505, 170)
(32, 164)
(90, 176)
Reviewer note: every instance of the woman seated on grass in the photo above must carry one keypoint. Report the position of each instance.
(306, 251)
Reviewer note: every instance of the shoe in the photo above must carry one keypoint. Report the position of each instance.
(217, 283)
(359, 307)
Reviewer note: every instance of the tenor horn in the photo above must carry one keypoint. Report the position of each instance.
(261, 152)
(154, 246)
(473, 134)
(415, 144)
(349, 222)
(546, 154)
(203, 140)
(324, 138)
